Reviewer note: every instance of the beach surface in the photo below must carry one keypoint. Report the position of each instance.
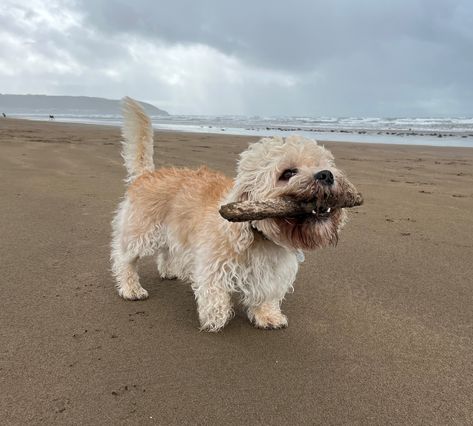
(380, 327)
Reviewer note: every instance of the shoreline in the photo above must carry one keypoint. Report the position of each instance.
(460, 139)
(116, 128)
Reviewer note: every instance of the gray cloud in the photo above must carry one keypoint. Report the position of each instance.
(410, 57)
(290, 35)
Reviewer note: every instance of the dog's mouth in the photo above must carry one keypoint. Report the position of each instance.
(322, 212)
(316, 227)
(315, 210)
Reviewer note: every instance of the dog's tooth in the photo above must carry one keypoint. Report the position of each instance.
(328, 210)
(314, 212)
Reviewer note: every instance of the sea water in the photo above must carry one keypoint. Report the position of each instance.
(454, 132)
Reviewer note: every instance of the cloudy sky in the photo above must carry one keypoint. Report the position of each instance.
(268, 57)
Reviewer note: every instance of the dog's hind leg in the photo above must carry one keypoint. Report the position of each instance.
(124, 268)
(125, 254)
(164, 264)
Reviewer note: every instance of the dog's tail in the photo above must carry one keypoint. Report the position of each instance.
(137, 139)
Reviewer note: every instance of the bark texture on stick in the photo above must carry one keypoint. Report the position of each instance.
(243, 211)
(257, 210)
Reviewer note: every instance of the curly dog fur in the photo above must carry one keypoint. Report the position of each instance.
(173, 214)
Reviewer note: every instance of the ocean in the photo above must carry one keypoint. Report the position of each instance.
(454, 132)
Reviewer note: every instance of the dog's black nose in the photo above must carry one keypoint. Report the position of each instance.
(325, 177)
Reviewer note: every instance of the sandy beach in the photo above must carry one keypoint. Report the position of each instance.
(380, 327)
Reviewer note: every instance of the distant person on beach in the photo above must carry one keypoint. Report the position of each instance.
(4, 115)
(51, 117)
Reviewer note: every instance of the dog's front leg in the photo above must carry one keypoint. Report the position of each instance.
(214, 304)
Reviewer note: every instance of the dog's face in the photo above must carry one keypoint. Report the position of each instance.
(298, 168)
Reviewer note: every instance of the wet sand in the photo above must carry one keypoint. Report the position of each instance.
(380, 327)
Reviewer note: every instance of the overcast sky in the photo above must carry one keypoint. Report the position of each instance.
(378, 58)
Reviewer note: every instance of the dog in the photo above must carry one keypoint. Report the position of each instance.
(173, 214)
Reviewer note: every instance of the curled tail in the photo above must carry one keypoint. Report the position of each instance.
(137, 139)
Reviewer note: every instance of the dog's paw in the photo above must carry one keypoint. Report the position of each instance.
(271, 323)
(211, 328)
(267, 318)
(168, 277)
(215, 323)
(133, 293)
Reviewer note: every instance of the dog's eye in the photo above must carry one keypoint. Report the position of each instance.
(288, 174)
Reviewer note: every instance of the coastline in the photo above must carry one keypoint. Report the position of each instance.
(391, 136)
(379, 326)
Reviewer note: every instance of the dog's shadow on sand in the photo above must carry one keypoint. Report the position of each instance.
(172, 301)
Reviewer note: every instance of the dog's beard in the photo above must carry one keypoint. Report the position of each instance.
(314, 230)
(310, 232)
(306, 232)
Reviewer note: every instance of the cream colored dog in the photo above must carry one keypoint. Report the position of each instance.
(174, 214)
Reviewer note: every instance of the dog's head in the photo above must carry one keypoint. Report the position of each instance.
(299, 168)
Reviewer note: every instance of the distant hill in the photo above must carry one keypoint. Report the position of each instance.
(82, 105)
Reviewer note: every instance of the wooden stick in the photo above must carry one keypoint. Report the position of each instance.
(286, 207)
